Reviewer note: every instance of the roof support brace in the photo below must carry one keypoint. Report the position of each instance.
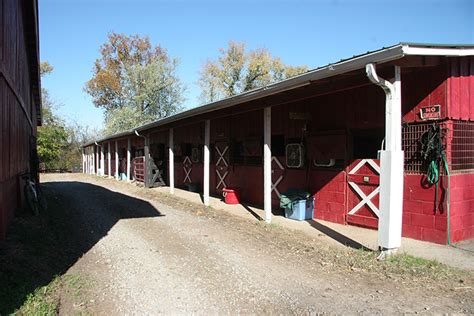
(391, 163)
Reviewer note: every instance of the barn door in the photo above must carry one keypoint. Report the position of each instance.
(221, 151)
(363, 181)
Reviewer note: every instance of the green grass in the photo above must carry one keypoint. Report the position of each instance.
(45, 300)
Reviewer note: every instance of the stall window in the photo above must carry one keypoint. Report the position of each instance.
(366, 143)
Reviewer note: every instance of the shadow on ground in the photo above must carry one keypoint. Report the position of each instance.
(340, 238)
(39, 248)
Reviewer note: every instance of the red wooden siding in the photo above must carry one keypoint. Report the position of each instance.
(16, 143)
(422, 88)
(461, 88)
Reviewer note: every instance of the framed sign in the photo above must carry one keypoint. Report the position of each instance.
(432, 112)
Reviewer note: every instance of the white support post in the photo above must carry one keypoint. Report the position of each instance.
(88, 160)
(171, 161)
(109, 158)
(129, 156)
(97, 160)
(207, 132)
(391, 165)
(89, 168)
(92, 159)
(267, 163)
(116, 161)
(102, 167)
(83, 161)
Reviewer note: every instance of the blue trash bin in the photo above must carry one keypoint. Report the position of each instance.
(300, 210)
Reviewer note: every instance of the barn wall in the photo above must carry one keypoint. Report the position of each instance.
(461, 88)
(16, 143)
(424, 87)
(461, 108)
(462, 207)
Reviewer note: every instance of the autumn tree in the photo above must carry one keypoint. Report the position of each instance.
(52, 135)
(134, 82)
(59, 141)
(236, 71)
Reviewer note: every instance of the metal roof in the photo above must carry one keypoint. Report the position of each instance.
(356, 62)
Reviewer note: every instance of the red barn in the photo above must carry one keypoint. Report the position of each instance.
(20, 107)
(359, 135)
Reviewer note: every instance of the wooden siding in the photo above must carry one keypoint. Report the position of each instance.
(16, 108)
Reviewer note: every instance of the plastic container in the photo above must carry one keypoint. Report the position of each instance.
(231, 196)
(300, 210)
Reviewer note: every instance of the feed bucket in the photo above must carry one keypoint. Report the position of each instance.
(231, 196)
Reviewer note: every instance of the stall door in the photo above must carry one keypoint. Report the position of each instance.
(363, 181)
(221, 157)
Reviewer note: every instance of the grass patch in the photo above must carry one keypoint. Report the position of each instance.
(401, 266)
(46, 299)
(43, 301)
(37, 252)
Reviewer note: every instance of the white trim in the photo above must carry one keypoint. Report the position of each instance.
(372, 163)
(366, 199)
(187, 167)
(437, 51)
(280, 178)
(221, 154)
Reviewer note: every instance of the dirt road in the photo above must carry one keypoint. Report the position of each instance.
(142, 256)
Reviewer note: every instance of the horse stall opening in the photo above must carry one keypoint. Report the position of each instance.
(159, 158)
(188, 156)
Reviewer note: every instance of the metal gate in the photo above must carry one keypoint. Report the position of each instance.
(363, 181)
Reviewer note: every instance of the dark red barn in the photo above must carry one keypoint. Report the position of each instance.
(20, 107)
(358, 134)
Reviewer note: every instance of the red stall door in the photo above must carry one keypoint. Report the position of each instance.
(363, 181)
(221, 152)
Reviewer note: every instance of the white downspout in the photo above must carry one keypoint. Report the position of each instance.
(391, 165)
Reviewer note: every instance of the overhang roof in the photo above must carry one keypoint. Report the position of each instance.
(356, 62)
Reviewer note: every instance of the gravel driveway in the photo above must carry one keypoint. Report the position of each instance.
(143, 256)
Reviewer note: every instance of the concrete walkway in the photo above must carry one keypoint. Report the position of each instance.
(345, 235)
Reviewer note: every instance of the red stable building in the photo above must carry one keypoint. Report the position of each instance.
(20, 106)
(350, 133)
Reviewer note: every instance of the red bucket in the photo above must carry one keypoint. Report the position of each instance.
(231, 196)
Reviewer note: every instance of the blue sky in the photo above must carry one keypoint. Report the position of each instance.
(300, 32)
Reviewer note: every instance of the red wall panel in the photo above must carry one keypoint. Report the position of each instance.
(461, 88)
(15, 143)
